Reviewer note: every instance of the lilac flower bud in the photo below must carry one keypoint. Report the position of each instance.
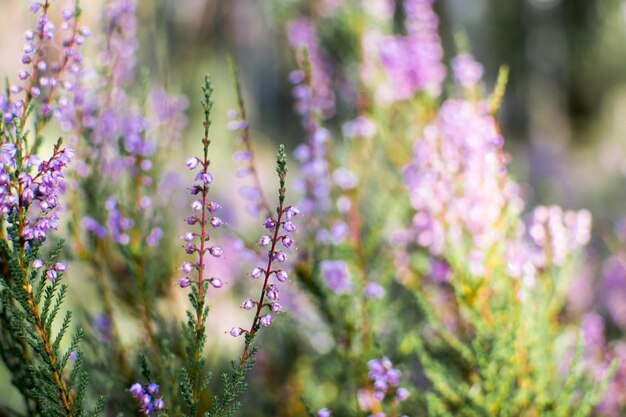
(248, 304)
(216, 222)
(236, 331)
(42, 66)
(241, 156)
(265, 240)
(34, 8)
(51, 274)
(373, 290)
(159, 404)
(257, 272)
(281, 275)
(269, 223)
(289, 227)
(60, 267)
(191, 220)
(189, 236)
(46, 110)
(242, 172)
(22, 75)
(324, 412)
(279, 256)
(195, 189)
(296, 77)
(266, 320)
(136, 390)
(184, 282)
(235, 125)
(29, 35)
(37, 263)
(216, 251)
(402, 394)
(291, 211)
(205, 177)
(35, 92)
(213, 207)
(216, 282)
(276, 307)
(190, 248)
(192, 163)
(153, 389)
(196, 205)
(15, 89)
(67, 14)
(186, 267)
(272, 293)
(287, 241)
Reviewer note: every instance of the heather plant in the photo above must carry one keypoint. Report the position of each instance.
(408, 280)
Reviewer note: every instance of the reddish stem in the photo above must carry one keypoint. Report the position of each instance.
(203, 235)
(268, 272)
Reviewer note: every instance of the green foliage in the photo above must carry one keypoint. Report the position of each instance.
(49, 375)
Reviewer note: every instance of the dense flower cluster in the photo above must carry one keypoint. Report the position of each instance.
(385, 387)
(457, 185)
(147, 398)
(337, 275)
(41, 76)
(301, 33)
(34, 195)
(314, 102)
(413, 62)
(120, 134)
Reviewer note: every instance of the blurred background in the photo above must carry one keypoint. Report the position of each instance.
(563, 117)
(563, 105)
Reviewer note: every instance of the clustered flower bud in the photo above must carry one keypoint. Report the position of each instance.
(385, 380)
(146, 397)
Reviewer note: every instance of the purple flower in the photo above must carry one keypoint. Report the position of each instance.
(265, 240)
(216, 282)
(373, 290)
(467, 71)
(269, 223)
(248, 304)
(287, 241)
(236, 331)
(279, 256)
(266, 321)
(216, 251)
(187, 267)
(324, 412)
(37, 263)
(291, 211)
(192, 163)
(184, 282)
(289, 226)
(153, 389)
(281, 275)
(336, 275)
(51, 274)
(136, 390)
(60, 267)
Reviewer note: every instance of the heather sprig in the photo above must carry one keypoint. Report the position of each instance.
(279, 230)
(194, 379)
(239, 123)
